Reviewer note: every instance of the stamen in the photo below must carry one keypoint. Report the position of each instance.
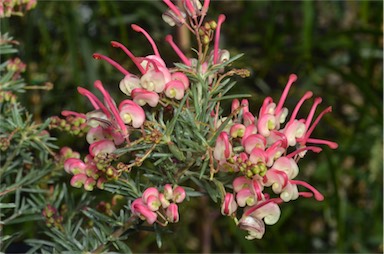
(263, 108)
(96, 103)
(149, 38)
(306, 96)
(306, 194)
(318, 196)
(217, 38)
(173, 8)
(116, 44)
(111, 105)
(309, 132)
(183, 58)
(312, 112)
(292, 78)
(307, 148)
(111, 62)
(72, 113)
(205, 7)
(331, 144)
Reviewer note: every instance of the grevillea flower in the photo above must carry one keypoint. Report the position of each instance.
(142, 97)
(223, 148)
(132, 113)
(229, 205)
(175, 89)
(172, 213)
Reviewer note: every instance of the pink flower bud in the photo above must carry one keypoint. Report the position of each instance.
(237, 130)
(100, 183)
(248, 118)
(253, 141)
(131, 113)
(164, 202)
(74, 166)
(168, 191)
(178, 194)
(249, 130)
(240, 183)
(78, 180)
(142, 97)
(265, 124)
(245, 197)
(153, 203)
(245, 105)
(223, 148)
(172, 213)
(175, 89)
(258, 156)
(89, 184)
(151, 191)
(140, 209)
(235, 105)
(229, 205)
(102, 147)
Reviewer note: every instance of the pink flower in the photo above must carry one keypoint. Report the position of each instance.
(269, 211)
(155, 79)
(172, 213)
(178, 194)
(142, 97)
(175, 89)
(223, 148)
(131, 113)
(104, 146)
(74, 166)
(139, 208)
(229, 205)
(78, 180)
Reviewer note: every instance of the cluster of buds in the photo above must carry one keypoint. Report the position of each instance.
(52, 217)
(74, 123)
(16, 66)
(15, 7)
(7, 96)
(153, 204)
(265, 154)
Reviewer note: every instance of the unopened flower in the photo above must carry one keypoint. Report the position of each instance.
(172, 213)
(229, 205)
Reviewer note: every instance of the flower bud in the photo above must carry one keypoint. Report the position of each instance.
(229, 205)
(172, 213)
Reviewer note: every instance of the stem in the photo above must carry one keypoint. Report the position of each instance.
(116, 234)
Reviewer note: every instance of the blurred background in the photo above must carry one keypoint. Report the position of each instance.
(335, 48)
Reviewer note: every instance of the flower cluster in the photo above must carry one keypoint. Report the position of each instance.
(266, 154)
(255, 151)
(52, 217)
(15, 7)
(154, 204)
